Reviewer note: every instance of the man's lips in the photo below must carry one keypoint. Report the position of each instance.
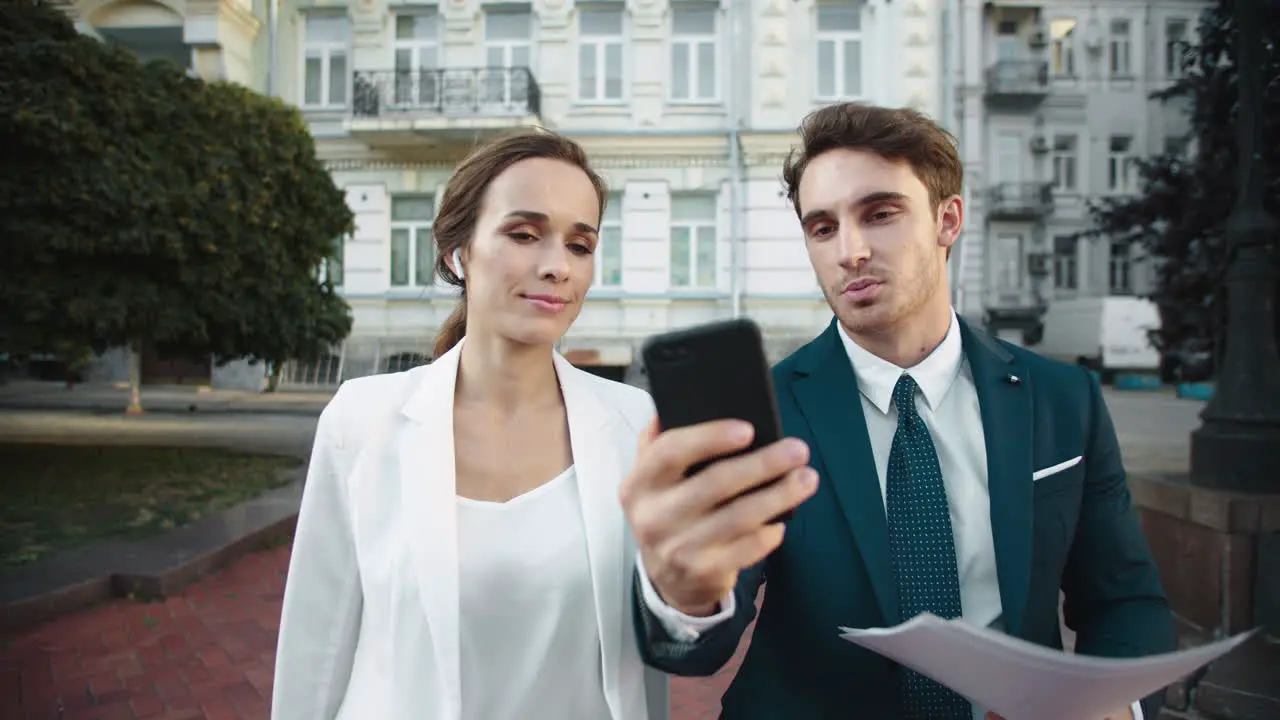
(861, 284)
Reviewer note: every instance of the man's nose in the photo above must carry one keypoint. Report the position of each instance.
(852, 245)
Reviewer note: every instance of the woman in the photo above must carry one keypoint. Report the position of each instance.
(461, 553)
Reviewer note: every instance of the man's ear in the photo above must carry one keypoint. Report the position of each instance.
(950, 221)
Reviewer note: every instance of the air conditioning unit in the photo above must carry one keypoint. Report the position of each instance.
(1039, 144)
(1038, 40)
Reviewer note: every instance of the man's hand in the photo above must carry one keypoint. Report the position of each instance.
(695, 534)
(1126, 714)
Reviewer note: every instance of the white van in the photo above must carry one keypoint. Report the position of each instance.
(1108, 334)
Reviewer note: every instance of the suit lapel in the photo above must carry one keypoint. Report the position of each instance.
(1006, 406)
(595, 458)
(428, 481)
(827, 393)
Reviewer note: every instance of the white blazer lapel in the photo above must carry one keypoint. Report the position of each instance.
(428, 476)
(595, 456)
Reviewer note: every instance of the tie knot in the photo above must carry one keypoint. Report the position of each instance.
(904, 396)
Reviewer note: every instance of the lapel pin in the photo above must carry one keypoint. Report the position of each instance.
(1013, 380)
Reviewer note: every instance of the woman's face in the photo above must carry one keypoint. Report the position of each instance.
(530, 262)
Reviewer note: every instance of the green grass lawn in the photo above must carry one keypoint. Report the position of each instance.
(55, 497)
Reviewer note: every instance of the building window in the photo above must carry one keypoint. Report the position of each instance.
(1063, 35)
(416, 52)
(1121, 62)
(1008, 263)
(324, 54)
(1119, 275)
(1064, 162)
(1120, 164)
(1175, 46)
(508, 40)
(331, 270)
(693, 241)
(1065, 264)
(1009, 153)
(693, 54)
(413, 257)
(839, 61)
(600, 55)
(609, 250)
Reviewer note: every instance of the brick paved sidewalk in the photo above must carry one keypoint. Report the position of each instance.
(205, 653)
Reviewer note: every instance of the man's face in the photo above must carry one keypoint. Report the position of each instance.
(876, 242)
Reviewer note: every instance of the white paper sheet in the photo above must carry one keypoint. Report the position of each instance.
(1024, 681)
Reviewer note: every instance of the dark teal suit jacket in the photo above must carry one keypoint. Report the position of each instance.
(1073, 531)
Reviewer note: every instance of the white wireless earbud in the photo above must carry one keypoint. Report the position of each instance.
(457, 264)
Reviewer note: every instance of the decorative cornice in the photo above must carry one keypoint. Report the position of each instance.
(613, 162)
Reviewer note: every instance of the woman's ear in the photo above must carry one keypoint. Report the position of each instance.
(457, 264)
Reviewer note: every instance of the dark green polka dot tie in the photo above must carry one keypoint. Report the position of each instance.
(923, 548)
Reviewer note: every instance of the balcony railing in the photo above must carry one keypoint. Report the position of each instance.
(1018, 77)
(1020, 199)
(449, 92)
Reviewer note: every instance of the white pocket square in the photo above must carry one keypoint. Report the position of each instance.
(1054, 469)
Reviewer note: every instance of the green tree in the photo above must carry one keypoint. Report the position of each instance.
(1178, 218)
(142, 207)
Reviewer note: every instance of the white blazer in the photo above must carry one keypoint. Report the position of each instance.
(369, 627)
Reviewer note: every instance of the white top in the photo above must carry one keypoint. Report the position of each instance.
(530, 647)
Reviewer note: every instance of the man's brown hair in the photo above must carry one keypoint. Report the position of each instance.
(894, 134)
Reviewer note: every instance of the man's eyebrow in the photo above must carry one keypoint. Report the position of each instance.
(535, 216)
(871, 198)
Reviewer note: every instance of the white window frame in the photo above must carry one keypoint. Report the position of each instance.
(339, 257)
(424, 90)
(325, 49)
(1009, 264)
(514, 90)
(696, 228)
(842, 40)
(1120, 165)
(1010, 158)
(1175, 49)
(419, 232)
(1063, 55)
(1066, 265)
(610, 232)
(1120, 48)
(601, 43)
(693, 42)
(1064, 159)
(1119, 269)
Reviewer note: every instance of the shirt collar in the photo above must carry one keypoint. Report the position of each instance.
(933, 375)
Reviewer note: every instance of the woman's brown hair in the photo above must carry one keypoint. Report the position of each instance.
(464, 195)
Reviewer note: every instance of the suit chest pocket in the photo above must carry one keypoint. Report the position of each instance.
(1066, 480)
(1057, 509)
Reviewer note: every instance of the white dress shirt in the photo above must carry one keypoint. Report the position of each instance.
(525, 591)
(947, 401)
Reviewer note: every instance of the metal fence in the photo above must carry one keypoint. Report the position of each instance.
(358, 357)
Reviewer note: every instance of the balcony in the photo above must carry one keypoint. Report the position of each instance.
(1017, 83)
(1019, 201)
(446, 106)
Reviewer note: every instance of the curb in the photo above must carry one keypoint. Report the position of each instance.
(192, 409)
(150, 568)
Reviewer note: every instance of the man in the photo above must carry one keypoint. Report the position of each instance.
(931, 468)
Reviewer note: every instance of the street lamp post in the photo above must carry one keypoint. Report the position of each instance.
(1238, 445)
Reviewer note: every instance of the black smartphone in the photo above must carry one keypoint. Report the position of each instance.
(714, 371)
